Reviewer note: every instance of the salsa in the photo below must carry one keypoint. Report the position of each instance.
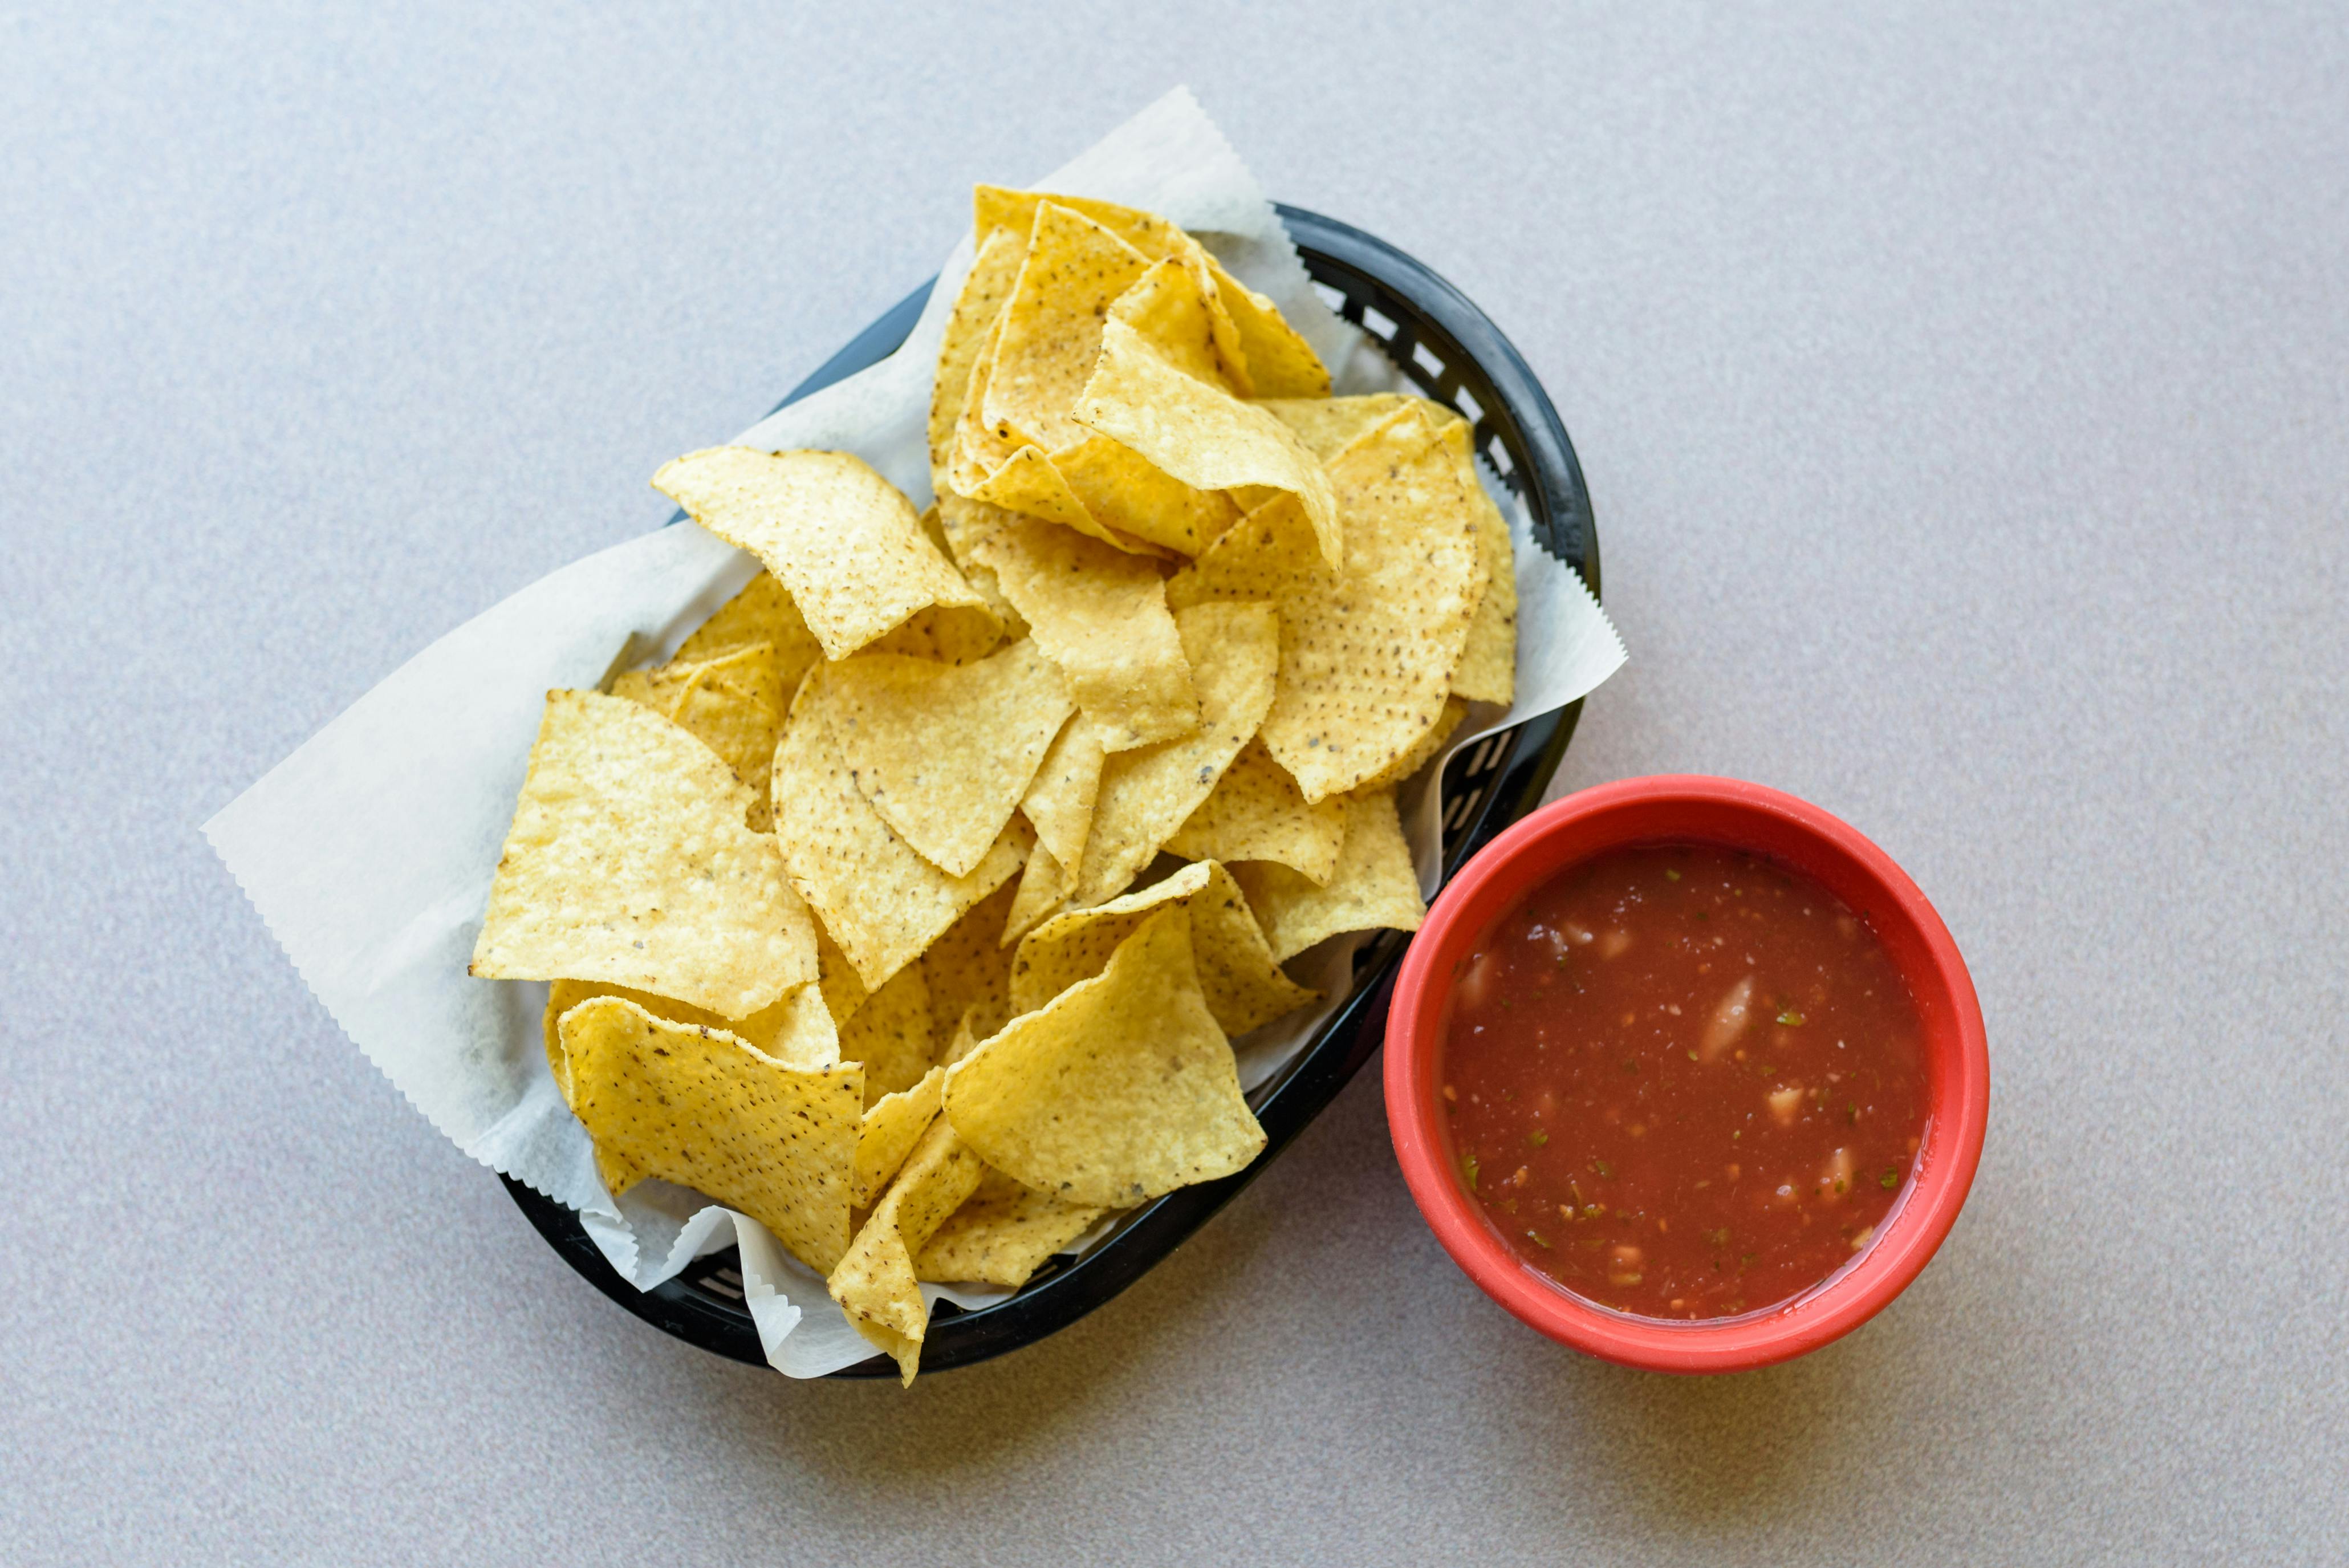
(1684, 1082)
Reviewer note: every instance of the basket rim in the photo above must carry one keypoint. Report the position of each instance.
(1544, 471)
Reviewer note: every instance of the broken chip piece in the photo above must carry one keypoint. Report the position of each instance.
(630, 861)
(874, 1281)
(699, 1107)
(848, 548)
(1120, 1089)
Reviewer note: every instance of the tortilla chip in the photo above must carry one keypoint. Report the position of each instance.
(874, 1282)
(961, 521)
(796, 1030)
(892, 1035)
(892, 1126)
(963, 634)
(970, 971)
(1146, 795)
(1255, 812)
(1329, 425)
(761, 612)
(944, 753)
(1033, 459)
(1156, 238)
(1026, 481)
(1200, 434)
(1242, 983)
(1103, 618)
(879, 899)
(1135, 501)
(1167, 306)
(1051, 326)
(698, 1107)
(846, 546)
(1366, 653)
(1280, 363)
(984, 288)
(630, 861)
(1003, 1235)
(732, 703)
(1120, 1089)
(842, 987)
(1487, 670)
(1044, 887)
(965, 1040)
(1373, 887)
(1060, 800)
(1000, 207)
(1422, 750)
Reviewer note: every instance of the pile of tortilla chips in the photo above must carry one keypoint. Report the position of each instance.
(911, 908)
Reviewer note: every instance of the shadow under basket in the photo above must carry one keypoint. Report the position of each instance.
(1447, 346)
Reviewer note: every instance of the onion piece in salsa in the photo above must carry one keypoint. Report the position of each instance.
(1683, 1081)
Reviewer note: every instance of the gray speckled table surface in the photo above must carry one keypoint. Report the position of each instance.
(1964, 401)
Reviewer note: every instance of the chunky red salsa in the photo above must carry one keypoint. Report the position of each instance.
(1684, 1082)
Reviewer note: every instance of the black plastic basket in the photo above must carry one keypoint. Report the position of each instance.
(1456, 356)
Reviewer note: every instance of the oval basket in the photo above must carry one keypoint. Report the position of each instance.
(1456, 356)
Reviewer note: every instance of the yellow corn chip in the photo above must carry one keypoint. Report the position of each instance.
(796, 1030)
(732, 703)
(970, 971)
(1137, 504)
(1051, 326)
(842, 987)
(892, 1035)
(1242, 983)
(846, 544)
(1001, 1234)
(892, 1126)
(944, 753)
(1035, 462)
(1367, 653)
(1487, 670)
(1373, 886)
(993, 270)
(1329, 425)
(963, 634)
(1167, 306)
(874, 1282)
(1120, 1089)
(1155, 238)
(761, 612)
(1103, 618)
(1200, 434)
(630, 861)
(1487, 667)
(961, 521)
(1026, 481)
(965, 1040)
(1060, 800)
(698, 1107)
(998, 207)
(879, 899)
(1280, 364)
(1044, 887)
(1147, 794)
(1255, 812)
(1430, 743)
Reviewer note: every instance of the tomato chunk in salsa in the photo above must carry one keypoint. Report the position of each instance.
(1684, 1082)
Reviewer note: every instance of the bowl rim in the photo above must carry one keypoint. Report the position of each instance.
(1779, 827)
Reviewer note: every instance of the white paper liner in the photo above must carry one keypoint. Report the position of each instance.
(369, 851)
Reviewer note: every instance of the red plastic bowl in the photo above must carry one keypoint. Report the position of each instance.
(1798, 835)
